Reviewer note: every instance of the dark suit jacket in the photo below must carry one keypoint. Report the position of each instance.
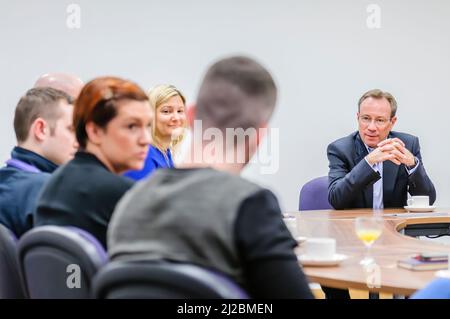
(351, 178)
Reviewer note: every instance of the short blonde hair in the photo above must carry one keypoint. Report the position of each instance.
(379, 94)
(157, 96)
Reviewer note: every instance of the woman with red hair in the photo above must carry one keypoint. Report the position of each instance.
(112, 119)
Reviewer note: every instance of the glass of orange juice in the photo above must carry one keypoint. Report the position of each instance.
(368, 229)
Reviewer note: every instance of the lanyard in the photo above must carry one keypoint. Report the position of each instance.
(22, 165)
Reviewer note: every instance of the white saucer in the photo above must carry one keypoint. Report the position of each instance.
(419, 208)
(311, 261)
(443, 273)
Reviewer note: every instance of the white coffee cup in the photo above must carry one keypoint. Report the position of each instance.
(291, 224)
(320, 248)
(418, 201)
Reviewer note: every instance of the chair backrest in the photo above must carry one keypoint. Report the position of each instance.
(314, 195)
(163, 280)
(59, 262)
(10, 279)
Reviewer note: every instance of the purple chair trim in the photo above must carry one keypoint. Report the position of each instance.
(236, 291)
(101, 252)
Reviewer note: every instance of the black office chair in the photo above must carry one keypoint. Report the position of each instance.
(10, 278)
(59, 262)
(163, 280)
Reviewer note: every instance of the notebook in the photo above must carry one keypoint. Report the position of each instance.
(414, 263)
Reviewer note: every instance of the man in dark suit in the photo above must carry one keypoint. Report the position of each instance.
(376, 167)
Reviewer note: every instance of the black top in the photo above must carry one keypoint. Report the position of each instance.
(266, 247)
(19, 189)
(83, 193)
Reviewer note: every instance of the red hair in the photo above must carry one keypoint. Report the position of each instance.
(98, 101)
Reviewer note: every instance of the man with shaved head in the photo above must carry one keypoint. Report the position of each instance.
(61, 81)
(45, 139)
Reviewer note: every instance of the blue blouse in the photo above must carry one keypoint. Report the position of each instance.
(155, 159)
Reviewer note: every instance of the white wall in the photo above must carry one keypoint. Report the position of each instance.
(321, 53)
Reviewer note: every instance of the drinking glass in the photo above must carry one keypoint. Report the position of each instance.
(368, 229)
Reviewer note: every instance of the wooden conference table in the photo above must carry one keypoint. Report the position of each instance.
(392, 246)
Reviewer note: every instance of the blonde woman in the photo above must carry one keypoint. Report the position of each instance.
(169, 105)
